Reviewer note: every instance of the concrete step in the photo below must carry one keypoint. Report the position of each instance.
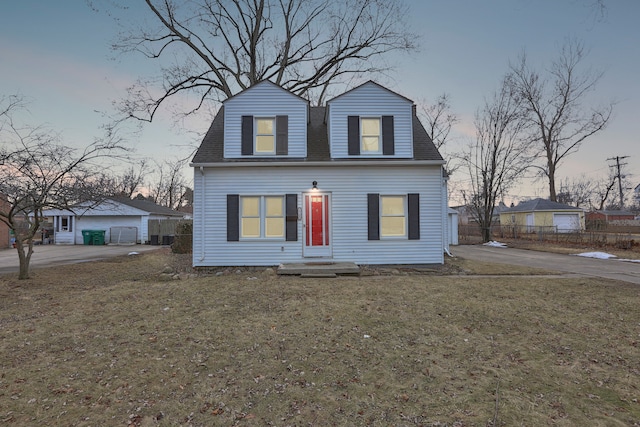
(319, 268)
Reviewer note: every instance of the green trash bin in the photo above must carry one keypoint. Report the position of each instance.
(87, 237)
(98, 237)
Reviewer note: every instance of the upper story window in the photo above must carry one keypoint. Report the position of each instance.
(265, 136)
(370, 133)
(265, 139)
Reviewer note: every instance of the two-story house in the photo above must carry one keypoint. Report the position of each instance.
(276, 180)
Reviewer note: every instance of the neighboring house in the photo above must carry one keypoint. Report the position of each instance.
(608, 216)
(466, 214)
(543, 215)
(123, 221)
(452, 224)
(276, 180)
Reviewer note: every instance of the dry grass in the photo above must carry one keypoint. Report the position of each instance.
(110, 343)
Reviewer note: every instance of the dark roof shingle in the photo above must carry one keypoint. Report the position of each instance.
(211, 149)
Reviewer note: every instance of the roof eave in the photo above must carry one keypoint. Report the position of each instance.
(330, 163)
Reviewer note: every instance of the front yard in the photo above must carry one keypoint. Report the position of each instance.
(115, 343)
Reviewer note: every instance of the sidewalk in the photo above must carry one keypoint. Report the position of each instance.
(49, 255)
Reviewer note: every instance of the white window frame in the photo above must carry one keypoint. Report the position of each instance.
(256, 134)
(62, 226)
(262, 215)
(363, 135)
(405, 215)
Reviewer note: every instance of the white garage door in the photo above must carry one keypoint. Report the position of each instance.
(566, 223)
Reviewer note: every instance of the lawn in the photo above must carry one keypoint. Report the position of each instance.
(115, 343)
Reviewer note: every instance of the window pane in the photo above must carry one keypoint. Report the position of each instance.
(370, 143)
(274, 227)
(264, 126)
(264, 144)
(371, 127)
(392, 205)
(250, 206)
(250, 227)
(274, 206)
(392, 226)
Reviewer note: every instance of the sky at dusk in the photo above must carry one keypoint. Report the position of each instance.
(57, 54)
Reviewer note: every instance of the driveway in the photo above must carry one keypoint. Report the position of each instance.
(606, 269)
(49, 255)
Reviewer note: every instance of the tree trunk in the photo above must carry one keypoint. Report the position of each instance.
(486, 234)
(552, 183)
(25, 258)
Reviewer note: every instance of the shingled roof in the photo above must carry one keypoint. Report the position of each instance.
(540, 205)
(148, 206)
(212, 151)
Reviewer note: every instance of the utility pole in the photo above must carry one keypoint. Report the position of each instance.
(619, 176)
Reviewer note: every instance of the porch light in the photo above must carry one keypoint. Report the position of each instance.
(315, 185)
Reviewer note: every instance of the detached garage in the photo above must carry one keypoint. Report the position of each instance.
(543, 215)
(113, 221)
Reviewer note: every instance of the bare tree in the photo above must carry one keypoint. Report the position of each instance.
(576, 191)
(169, 187)
(130, 181)
(212, 49)
(38, 172)
(440, 119)
(497, 158)
(555, 108)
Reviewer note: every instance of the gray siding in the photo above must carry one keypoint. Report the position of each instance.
(348, 187)
(265, 100)
(370, 100)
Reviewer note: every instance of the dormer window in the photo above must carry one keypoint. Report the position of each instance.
(370, 135)
(370, 132)
(265, 138)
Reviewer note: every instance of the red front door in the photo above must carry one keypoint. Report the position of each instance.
(317, 240)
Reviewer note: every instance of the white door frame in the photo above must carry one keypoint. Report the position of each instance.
(316, 212)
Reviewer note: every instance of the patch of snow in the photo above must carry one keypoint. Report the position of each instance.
(629, 260)
(598, 255)
(495, 244)
(133, 253)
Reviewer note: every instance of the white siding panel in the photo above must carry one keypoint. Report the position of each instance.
(370, 100)
(265, 100)
(348, 187)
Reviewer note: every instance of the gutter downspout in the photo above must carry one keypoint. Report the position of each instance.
(202, 184)
(445, 213)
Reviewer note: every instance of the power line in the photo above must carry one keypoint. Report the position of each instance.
(619, 176)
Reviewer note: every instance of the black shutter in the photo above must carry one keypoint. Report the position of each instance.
(291, 212)
(282, 135)
(353, 134)
(247, 136)
(413, 205)
(373, 215)
(387, 135)
(70, 223)
(233, 217)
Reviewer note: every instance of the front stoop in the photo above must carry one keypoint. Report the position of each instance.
(319, 269)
